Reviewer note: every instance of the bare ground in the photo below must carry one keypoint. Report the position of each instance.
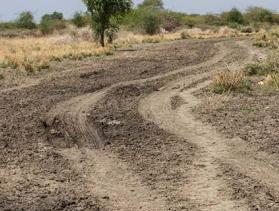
(118, 133)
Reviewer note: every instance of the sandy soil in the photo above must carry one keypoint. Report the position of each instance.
(118, 133)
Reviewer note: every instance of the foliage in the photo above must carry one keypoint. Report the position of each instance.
(103, 12)
(26, 20)
(211, 19)
(234, 16)
(271, 65)
(258, 14)
(48, 26)
(8, 25)
(152, 23)
(53, 16)
(80, 19)
(152, 4)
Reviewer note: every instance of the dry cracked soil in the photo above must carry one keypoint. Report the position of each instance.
(129, 132)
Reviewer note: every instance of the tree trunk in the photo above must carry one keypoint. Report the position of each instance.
(102, 41)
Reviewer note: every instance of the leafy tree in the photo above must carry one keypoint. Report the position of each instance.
(105, 13)
(53, 16)
(258, 14)
(51, 22)
(233, 16)
(155, 4)
(26, 20)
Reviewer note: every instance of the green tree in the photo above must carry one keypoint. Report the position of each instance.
(26, 20)
(51, 22)
(53, 16)
(155, 4)
(258, 14)
(104, 14)
(233, 16)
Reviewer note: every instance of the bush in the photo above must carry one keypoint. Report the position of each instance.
(48, 26)
(2, 77)
(232, 17)
(270, 66)
(80, 19)
(26, 20)
(227, 81)
(193, 20)
(152, 23)
(8, 25)
(53, 16)
(211, 19)
(258, 14)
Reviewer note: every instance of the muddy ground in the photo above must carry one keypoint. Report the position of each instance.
(86, 135)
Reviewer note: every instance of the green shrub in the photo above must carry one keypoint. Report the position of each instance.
(53, 16)
(258, 14)
(270, 66)
(193, 20)
(8, 25)
(48, 26)
(26, 20)
(152, 23)
(211, 19)
(80, 19)
(232, 17)
(2, 77)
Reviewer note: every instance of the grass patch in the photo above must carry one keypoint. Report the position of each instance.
(271, 82)
(229, 81)
(34, 54)
(267, 39)
(271, 65)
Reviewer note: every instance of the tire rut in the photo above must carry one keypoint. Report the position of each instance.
(104, 174)
(207, 188)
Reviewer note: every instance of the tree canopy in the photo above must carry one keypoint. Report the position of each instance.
(155, 4)
(104, 14)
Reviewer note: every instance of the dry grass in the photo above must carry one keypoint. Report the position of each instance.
(36, 53)
(267, 38)
(126, 38)
(227, 81)
(32, 54)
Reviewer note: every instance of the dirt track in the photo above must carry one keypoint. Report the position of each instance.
(119, 134)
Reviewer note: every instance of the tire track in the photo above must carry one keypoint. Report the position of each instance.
(206, 187)
(104, 176)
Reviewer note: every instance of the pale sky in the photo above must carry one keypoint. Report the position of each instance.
(11, 8)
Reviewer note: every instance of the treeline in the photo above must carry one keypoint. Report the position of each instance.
(150, 17)
(48, 22)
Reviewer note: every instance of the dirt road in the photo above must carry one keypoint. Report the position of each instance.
(119, 134)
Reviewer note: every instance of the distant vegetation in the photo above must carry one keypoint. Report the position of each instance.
(122, 24)
(150, 17)
(105, 15)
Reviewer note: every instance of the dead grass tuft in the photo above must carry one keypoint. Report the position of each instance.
(228, 81)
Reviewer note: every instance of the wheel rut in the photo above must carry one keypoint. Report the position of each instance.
(110, 178)
(206, 187)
